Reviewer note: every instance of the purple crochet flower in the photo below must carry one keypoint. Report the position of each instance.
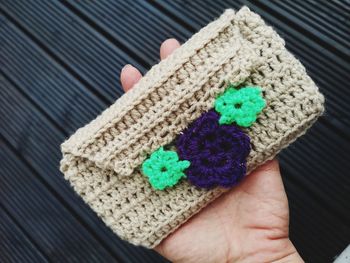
(217, 152)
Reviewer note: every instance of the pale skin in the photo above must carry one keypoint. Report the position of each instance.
(249, 223)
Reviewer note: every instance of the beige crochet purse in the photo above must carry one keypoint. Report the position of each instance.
(102, 160)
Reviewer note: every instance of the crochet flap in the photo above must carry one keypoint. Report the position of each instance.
(167, 99)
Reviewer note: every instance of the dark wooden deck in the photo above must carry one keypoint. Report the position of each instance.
(60, 63)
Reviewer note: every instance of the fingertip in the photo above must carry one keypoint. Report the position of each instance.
(129, 76)
(168, 47)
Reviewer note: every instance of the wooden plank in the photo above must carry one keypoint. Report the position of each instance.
(195, 13)
(314, 172)
(68, 105)
(133, 24)
(49, 86)
(51, 227)
(327, 20)
(37, 141)
(317, 233)
(85, 53)
(326, 23)
(308, 21)
(15, 245)
(321, 168)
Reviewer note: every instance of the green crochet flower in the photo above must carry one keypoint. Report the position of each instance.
(240, 105)
(164, 169)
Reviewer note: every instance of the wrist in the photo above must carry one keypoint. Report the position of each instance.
(292, 256)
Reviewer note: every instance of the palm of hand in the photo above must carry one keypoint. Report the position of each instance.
(246, 224)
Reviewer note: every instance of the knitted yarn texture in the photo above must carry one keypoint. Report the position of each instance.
(241, 106)
(217, 152)
(212, 144)
(102, 161)
(164, 168)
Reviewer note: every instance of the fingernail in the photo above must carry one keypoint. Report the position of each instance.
(174, 39)
(126, 66)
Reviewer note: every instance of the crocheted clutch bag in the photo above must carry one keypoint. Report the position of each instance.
(226, 101)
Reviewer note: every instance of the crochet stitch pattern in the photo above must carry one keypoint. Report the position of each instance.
(241, 106)
(102, 160)
(217, 152)
(164, 169)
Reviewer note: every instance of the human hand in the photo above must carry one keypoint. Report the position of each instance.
(246, 224)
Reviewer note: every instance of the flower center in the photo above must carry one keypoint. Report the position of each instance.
(238, 105)
(163, 169)
(206, 162)
(210, 137)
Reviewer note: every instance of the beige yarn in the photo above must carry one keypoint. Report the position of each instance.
(102, 159)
